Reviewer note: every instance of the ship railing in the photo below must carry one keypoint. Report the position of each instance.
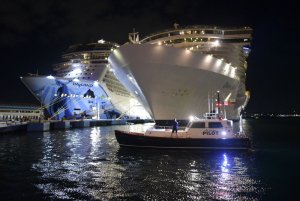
(212, 116)
(163, 127)
(199, 27)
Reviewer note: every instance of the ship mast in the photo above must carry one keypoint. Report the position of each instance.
(134, 37)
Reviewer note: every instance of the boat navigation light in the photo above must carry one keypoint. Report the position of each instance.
(223, 133)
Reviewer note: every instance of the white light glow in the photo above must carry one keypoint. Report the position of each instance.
(159, 43)
(232, 73)
(77, 70)
(226, 68)
(223, 133)
(208, 58)
(101, 41)
(192, 118)
(76, 80)
(50, 77)
(96, 83)
(75, 65)
(219, 62)
(216, 43)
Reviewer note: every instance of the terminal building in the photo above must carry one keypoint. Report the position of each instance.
(19, 112)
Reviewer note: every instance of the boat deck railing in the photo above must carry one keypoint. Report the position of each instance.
(169, 127)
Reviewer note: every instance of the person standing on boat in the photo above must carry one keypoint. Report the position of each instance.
(175, 126)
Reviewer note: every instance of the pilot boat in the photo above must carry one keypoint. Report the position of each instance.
(210, 132)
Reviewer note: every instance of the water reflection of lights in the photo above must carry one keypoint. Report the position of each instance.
(88, 164)
(95, 136)
(224, 184)
(225, 168)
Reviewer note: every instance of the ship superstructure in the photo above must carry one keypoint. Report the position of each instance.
(175, 72)
(84, 84)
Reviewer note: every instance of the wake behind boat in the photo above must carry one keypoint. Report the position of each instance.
(212, 132)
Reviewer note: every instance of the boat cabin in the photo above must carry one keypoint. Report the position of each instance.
(198, 128)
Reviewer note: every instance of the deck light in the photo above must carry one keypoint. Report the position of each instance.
(216, 43)
(50, 77)
(96, 83)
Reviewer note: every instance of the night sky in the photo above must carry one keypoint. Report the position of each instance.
(35, 32)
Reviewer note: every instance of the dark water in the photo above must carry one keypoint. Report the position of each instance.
(88, 164)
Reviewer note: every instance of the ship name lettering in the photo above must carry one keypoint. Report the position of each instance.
(82, 84)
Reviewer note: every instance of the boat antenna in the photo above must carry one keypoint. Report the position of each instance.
(212, 103)
(208, 98)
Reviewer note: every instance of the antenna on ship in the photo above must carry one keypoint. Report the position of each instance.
(176, 25)
(134, 37)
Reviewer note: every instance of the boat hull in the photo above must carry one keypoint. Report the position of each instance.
(140, 140)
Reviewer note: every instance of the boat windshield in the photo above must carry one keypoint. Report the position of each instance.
(189, 124)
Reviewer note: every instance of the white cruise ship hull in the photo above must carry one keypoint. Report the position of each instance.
(175, 83)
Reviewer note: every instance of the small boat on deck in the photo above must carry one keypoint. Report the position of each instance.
(211, 132)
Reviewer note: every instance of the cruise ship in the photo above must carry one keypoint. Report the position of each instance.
(84, 85)
(186, 71)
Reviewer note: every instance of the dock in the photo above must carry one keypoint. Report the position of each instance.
(42, 126)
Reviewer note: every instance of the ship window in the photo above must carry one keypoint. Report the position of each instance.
(215, 125)
(198, 125)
